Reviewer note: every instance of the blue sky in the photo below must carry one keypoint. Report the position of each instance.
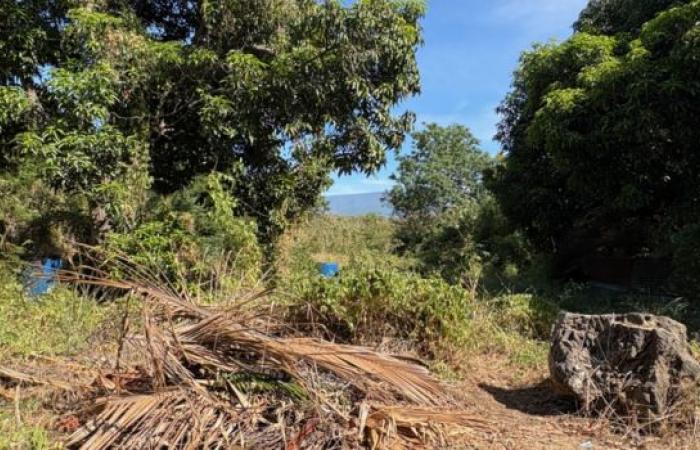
(471, 49)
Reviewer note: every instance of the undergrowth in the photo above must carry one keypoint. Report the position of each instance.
(368, 303)
(57, 323)
(16, 434)
(444, 322)
(378, 299)
(343, 240)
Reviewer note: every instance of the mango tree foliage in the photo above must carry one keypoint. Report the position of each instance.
(29, 38)
(601, 132)
(620, 16)
(289, 90)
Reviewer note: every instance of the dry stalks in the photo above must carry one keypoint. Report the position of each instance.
(196, 376)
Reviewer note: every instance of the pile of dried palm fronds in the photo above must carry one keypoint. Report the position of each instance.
(226, 376)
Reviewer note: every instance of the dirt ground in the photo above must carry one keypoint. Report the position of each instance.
(514, 408)
(522, 412)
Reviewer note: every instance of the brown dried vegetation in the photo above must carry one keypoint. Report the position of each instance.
(197, 376)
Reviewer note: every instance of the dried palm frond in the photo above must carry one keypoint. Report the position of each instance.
(218, 334)
(17, 376)
(368, 370)
(408, 427)
(184, 392)
(170, 419)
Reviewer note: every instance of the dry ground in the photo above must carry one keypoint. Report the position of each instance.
(525, 414)
(520, 411)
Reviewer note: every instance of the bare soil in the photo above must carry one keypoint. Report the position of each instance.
(525, 413)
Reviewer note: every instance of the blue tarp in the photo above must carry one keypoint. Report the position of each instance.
(40, 282)
(329, 270)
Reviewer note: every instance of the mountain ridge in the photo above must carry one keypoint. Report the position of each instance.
(358, 204)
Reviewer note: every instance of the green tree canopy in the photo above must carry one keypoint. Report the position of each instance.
(600, 132)
(443, 171)
(447, 219)
(289, 90)
(620, 16)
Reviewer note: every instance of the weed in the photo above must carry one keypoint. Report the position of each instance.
(526, 314)
(345, 240)
(16, 434)
(367, 303)
(57, 323)
(194, 236)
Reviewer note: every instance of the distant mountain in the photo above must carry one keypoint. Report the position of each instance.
(358, 204)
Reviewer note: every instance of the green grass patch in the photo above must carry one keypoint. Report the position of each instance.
(344, 240)
(17, 432)
(54, 324)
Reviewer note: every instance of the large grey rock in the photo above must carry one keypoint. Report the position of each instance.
(638, 366)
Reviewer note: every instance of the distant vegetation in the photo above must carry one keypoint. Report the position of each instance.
(191, 143)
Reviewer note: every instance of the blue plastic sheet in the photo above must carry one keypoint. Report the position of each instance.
(329, 270)
(41, 282)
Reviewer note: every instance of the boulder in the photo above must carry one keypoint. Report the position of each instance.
(638, 366)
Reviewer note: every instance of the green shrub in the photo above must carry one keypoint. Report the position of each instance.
(526, 314)
(194, 237)
(471, 243)
(366, 303)
(26, 205)
(57, 323)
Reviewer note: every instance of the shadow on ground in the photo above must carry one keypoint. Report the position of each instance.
(538, 400)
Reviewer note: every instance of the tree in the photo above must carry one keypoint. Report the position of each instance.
(289, 89)
(600, 132)
(446, 217)
(611, 17)
(443, 171)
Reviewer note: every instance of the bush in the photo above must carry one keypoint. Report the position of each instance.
(32, 217)
(526, 314)
(194, 237)
(57, 323)
(366, 304)
(369, 305)
(40, 219)
(472, 244)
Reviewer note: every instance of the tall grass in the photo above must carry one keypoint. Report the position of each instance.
(327, 238)
(57, 323)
